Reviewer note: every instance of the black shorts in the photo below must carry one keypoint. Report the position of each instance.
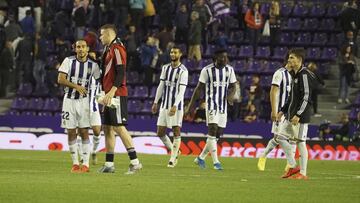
(116, 116)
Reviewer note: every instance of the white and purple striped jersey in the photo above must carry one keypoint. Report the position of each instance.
(79, 73)
(173, 78)
(95, 88)
(217, 84)
(282, 79)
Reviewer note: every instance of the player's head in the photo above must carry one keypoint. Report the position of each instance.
(296, 58)
(175, 54)
(221, 57)
(107, 34)
(312, 66)
(81, 49)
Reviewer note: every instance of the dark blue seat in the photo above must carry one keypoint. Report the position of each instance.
(25, 89)
(285, 9)
(300, 10)
(262, 52)
(255, 66)
(36, 104)
(293, 24)
(286, 38)
(280, 53)
(45, 114)
(303, 38)
(311, 24)
(317, 10)
(19, 103)
(147, 107)
(28, 113)
(240, 66)
(246, 51)
(141, 92)
(313, 53)
(329, 54)
(327, 24)
(51, 104)
(320, 38)
(134, 106)
(333, 10)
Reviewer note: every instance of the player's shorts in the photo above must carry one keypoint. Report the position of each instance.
(216, 117)
(75, 113)
(95, 118)
(276, 125)
(116, 116)
(170, 121)
(294, 132)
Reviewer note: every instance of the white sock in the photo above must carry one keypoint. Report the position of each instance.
(285, 145)
(167, 142)
(303, 157)
(109, 164)
(73, 147)
(134, 161)
(86, 152)
(96, 141)
(204, 152)
(80, 151)
(175, 149)
(213, 148)
(269, 147)
(293, 148)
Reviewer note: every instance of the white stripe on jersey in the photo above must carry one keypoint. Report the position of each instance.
(173, 78)
(217, 83)
(284, 87)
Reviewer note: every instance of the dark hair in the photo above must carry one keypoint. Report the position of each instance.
(109, 26)
(298, 52)
(220, 51)
(177, 47)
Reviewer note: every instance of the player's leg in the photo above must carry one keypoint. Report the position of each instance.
(96, 141)
(269, 147)
(161, 132)
(301, 144)
(219, 134)
(84, 133)
(176, 146)
(73, 148)
(110, 147)
(286, 146)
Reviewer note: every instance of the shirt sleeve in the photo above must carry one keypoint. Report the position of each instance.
(96, 71)
(184, 78)
(118, 53)
(232, 76)
(65, 66)
(276, 79)
(203, 76)
(163, 74)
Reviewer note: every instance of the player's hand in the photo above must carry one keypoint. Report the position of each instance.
(295, 120)
(279, 115)
(274, 116)
(172, 111)
(154, 108)
(82, 90)
(107, 98)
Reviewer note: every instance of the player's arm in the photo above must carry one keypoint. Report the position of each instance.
(159, 92)
(197, 92)
(306, 89)
(180, 96)
(273, 101)
(231, 93)
(63, 81)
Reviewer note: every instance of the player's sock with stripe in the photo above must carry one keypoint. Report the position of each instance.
(109, 159)
(303, 157)
(269, 147)
(86, 151)
(213, 148)
(167, 142)
(176, 146)
(80, 151)
(73, 147)
(293, 147)
(285, 145)
(96, 141)
(205, 151)
(132, 155)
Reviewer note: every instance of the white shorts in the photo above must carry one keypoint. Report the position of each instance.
(276, 125)
(170, 121)
(95, 118)
(217, 118)
(296, 132)
(75, 113)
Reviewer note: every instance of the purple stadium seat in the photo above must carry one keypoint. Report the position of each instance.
(144, 117)
(190, 64)
(327, 24)
(236, 37)
(153, 92)
(45, 113)
(255, 67)
(357, 100)
(50, 46)
(265, 8)
(333, 11)
(36, 104)
(25, 89)
(141, 92)
(311, 24)
(194, 80)
(51, 104)
(240, 66)
(28, 113)
(270, 66)
(210, 51)
(265, 81)
(313, 53)
(300, 10)
(286, 38)
(247, 80)
(317, 10)
(280, 53)
(233, 52)
(336, 39)
(134, 106)
(188, 93)
(303, 38)
(51, 60)
(329, 53)
(320, 38)
(19, 103)
(285, 9)
(57, 114)
(43, 91)
(353, 113)
(13, 112)
(293, 24)
(203, 63)
(262, 52)
(246, 51)
(147, 107)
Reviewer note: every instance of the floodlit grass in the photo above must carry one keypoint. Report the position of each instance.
(44, 176)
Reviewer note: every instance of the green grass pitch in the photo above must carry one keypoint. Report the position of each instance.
(44, 176)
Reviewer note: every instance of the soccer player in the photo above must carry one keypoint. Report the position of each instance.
(171, 89)
(279, 93)
(114, 84)
(219, 80)
(297, 111)
(95, 118)
(75, 74)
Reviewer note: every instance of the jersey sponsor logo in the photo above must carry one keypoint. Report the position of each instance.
(220, 84)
